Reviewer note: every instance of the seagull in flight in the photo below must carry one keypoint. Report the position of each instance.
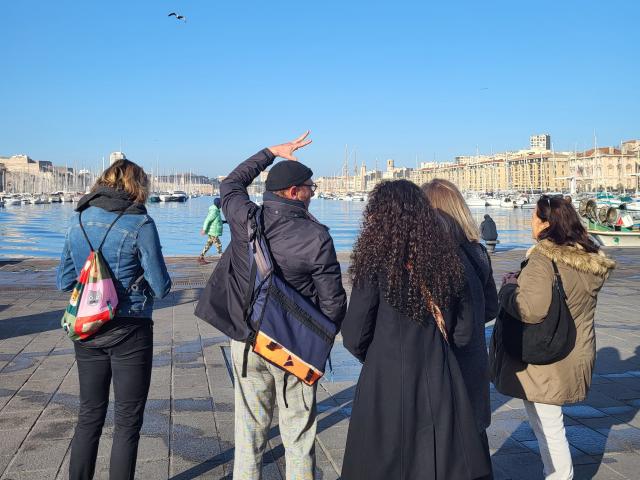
(178, 17)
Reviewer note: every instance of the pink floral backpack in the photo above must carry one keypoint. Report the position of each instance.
(94, 298)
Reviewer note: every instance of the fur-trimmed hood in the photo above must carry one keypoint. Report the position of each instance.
(576, 257)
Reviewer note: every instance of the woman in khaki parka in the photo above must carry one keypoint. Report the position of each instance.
(583, 268)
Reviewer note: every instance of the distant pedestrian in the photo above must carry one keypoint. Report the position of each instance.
(304, 255)
(562, 244)
(489, 233)
(478, 304)
(212, 227)
(114, 219)
(411, 416)
(488, 229)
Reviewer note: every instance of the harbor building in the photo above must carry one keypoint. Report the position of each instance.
(607, 168)
(115, 156)
(538, 169)
(22, 174)
(540, 142)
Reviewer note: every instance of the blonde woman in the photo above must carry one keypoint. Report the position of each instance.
(113, 219)
(478, 304)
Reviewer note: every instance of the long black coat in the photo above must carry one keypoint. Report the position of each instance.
(478, 305)
(302, 250)
(411, 417)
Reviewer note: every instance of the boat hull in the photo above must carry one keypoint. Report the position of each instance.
(616, 239)
(476, 203)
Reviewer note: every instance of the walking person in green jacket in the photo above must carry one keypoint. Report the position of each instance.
(212, 226)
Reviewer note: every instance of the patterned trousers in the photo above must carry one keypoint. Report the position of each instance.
(256, 397)
(211, 241)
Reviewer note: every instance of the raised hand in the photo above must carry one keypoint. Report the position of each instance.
(285, 150)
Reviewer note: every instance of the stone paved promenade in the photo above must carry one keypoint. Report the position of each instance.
(188, 429)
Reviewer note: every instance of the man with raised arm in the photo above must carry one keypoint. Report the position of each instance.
(305, 257)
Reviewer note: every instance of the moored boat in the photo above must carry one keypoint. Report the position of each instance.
(507, 202)
(609, 226)
(179, 196)
(475, 201)
(12, 200)
(610, 237)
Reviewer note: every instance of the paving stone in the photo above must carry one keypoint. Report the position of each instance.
(181, 469)
(590, 441)
(11, 440)
(156, 469)
(582, 411)
(153, 448)
(517, 466)
(39, 456)
(596, 471)
(627, 465)
(17, 420)
(30, 474)
(624, 435)
(44, 430)
(4, 461)
(578, 457)
(25, 403)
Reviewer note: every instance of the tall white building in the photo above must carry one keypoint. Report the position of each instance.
(115, 156)
(540, 142)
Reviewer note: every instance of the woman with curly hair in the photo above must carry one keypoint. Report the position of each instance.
(411, 416)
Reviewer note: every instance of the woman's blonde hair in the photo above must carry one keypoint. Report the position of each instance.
(127, 176)
(446, 197)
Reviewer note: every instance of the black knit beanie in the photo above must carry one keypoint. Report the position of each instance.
(287, 173)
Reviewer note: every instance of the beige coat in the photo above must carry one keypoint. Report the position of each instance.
(568, 380)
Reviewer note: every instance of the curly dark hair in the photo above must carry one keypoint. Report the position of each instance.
(404, 250)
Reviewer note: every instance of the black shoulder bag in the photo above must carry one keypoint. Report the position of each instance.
(537, 343)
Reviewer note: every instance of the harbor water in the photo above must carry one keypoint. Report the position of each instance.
(39, 230)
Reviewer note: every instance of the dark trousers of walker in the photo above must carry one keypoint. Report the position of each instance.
(129, 365)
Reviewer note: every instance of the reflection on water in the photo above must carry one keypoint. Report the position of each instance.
(38, 230)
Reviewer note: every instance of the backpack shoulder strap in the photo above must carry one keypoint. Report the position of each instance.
(253, 229)
(86, 237)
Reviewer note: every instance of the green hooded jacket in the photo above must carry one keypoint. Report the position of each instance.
(213, 223)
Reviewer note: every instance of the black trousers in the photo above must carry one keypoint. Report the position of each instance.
(129, 365)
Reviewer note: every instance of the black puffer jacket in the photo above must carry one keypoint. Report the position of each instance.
(302, 249)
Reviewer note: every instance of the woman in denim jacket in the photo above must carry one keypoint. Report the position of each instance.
(123, 348)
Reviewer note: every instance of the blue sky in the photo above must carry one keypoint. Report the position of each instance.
(390, 79)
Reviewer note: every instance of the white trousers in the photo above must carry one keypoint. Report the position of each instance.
(548, 425)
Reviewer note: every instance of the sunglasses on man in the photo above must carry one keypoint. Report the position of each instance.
(312, 186)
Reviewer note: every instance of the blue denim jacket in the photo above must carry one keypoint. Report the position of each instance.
(132, 248)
